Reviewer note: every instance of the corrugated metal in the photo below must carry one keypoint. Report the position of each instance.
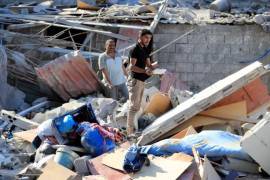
(69, 76)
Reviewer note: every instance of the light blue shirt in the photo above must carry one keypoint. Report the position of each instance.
(114, 68)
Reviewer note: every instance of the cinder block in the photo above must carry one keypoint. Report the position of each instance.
(216, 39)
(169, 49)
(195, 76)
(196, 58)
(200, 49)
(240, 50)
(219, 49)
(197, 39)
(184, 48)
(214, 58)
(183, 76)
(167, 38)
(163, 57)
(202, 67)
(234, 39)
(179, 58)
(220, 68)
(170, 66)
(184, 67)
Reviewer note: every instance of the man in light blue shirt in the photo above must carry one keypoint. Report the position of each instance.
(113, 71)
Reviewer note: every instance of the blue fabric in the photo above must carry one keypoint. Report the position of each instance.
(210, 143)
(134, 159)
(93, 141)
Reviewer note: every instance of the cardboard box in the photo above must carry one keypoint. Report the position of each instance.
(256, 143)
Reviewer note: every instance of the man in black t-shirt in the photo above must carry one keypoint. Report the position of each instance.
(140, 70)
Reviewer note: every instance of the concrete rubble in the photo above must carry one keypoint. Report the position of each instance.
(58, 122)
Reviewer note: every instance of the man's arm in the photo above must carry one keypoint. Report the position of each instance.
(124, 70)
(135, 68)
(106, 75)
(102, 67)
(151, 65)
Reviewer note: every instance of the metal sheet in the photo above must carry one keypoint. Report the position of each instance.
(69, 76)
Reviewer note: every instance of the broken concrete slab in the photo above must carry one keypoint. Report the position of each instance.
(201, 101)
(17, 120)
(256, 143)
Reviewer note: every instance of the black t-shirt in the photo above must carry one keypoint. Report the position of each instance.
(141, 54)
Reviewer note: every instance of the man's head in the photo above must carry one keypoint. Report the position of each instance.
(110, 46)
(145, 37)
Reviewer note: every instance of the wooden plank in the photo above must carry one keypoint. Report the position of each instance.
(234, 111)
(184, 133)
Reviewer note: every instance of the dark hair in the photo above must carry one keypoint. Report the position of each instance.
(145, 32)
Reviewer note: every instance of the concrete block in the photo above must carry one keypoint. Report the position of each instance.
(184, 67)
(171, 67)
(172, 29)
(163, 57)
(219, 49)
(214, 77)
(179, 58)
(170, 49)
(167, 38)
(80, 165)
(256, 143)
(202, 67)
(216, 39)
(192, 77)
(220, 29)
(197, 39)
(214, 58)
(200, 49)
(240, 50)
(220, 68)
(184, 48)
(183, 76)
(234, 39)
(196, 58)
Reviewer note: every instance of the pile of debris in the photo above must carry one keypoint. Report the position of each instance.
(208, 135)
(56, 122)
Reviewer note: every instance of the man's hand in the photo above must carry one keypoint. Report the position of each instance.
(149, 72)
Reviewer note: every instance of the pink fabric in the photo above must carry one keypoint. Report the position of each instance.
(169, 79)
